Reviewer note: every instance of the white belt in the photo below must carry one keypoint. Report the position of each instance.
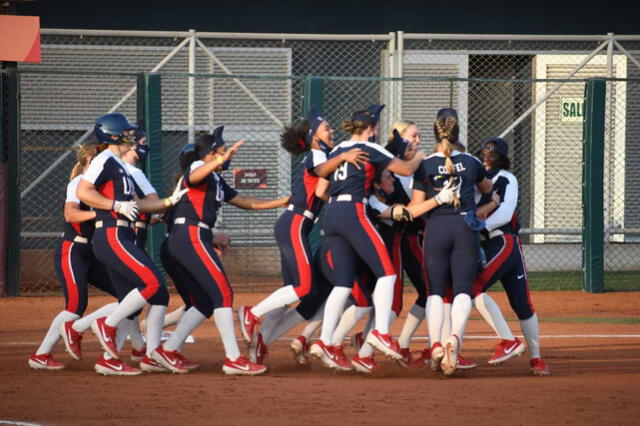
(183, 220)
(119, 222)
(141, 225)
(79, 239)
(346, 197)
(305, 213)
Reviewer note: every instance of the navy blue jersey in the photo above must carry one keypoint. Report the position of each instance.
(303, 190)
(402, 195)
(109, 175)
(203, 200)
(143, 188)
(432, 174)
(80, 229)
(504, 217)
(347, 179)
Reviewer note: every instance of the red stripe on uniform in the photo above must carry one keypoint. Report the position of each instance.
(370, 172)
(196, 196)
(143, 272)
(107, 190)
(212, 267)
(69, 277)
(492, 266)
(396, 256)
(310, 182)
(302, 262)
(76, 227)
(359, 296)
(526, 276)
(374, 237)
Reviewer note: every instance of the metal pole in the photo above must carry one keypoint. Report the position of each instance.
(552, 91)
(88, 132)
(240, 84)
(610, 56)
(390, 87)
(400, 72)
(192, 86)
(629, 55)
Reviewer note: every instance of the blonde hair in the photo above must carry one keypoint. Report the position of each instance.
(83, 153)
(446, 130)
(400, 126)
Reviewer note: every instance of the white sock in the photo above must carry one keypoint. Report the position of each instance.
(224, 322)
(332, 311)
(446, 321)
(414, 318)
(281, 297)
(314, 323)
(366, 350)
(290, 319)
(137, 340)
(122, 332)
(435, 315)
(382, 302)
(174, 316)
(53, 334)
(351, 316)
(130, 304)
(532, 335)
(83, 324)
(155, 319)
(190, 321)
(270, 320)
(460, 310)
(491, 313)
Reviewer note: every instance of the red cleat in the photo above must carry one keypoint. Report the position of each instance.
(115, 367)
(300, 348)
(242, 367)
(169, 360)
(325, 353)
(357, 341)
(72, 340)
(506, 349)
(539, 367)
(366, 365)
(341, 360)
(451, 350)
(257, 349)
(106, 336)
(465, 364)
(248, 322)
(189, 365)
(44, 362)
(437, 353)
(385, 344)
(406, 357)
(150, 365)
(138, 355)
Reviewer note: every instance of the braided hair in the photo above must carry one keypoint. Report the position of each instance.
(446, 131)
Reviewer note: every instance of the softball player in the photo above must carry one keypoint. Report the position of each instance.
(503, 249)
(308, 137)
(108, 187)
(350, 234)
(451, 245)
(75, 266)
(191, 245)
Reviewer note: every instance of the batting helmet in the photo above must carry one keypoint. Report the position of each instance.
(113, 124)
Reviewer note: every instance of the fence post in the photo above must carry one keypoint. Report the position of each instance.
(593, 186)
(12, 80)
(312, 95)
(150, 108)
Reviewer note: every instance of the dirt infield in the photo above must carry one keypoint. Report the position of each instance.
(592, 343)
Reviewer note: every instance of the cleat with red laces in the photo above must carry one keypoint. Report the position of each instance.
(248, 322)
(44, 362)
(324, 353)
(342, 362)
(242, 367)
(366, 365)
(506, 349)
(149, 365)
(450, 360)
(300, 348)
(169, 360)
(539, 367)
(106, 336)
(138, 355)
(357, 340)
(465, 364)
(115, 367)
(437, 353)
(385, 344)
(72, 340)
(257, 349)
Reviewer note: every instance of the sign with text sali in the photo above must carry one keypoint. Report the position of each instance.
(571, 110)
(250, 178)
(19, 38)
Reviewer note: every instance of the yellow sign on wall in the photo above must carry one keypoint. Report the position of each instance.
(571, 110)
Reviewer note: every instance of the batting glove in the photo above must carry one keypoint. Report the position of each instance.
(400, 213)
(447, 193)
(173, 199)
(129, 209)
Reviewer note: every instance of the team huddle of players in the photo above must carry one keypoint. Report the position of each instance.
(446, 219)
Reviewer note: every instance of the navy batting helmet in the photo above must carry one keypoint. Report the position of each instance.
(113, 124)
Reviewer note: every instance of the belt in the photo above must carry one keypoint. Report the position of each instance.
(108, 223)
(185, 221)
(79, 239)
(141, 225)
(347, 198)
(300, 210)
(489, 235)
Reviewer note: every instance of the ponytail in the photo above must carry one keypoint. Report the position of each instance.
(446, 131)
(360, 122)
(83, 154)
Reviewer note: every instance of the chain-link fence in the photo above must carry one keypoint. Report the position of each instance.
(529, 91)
